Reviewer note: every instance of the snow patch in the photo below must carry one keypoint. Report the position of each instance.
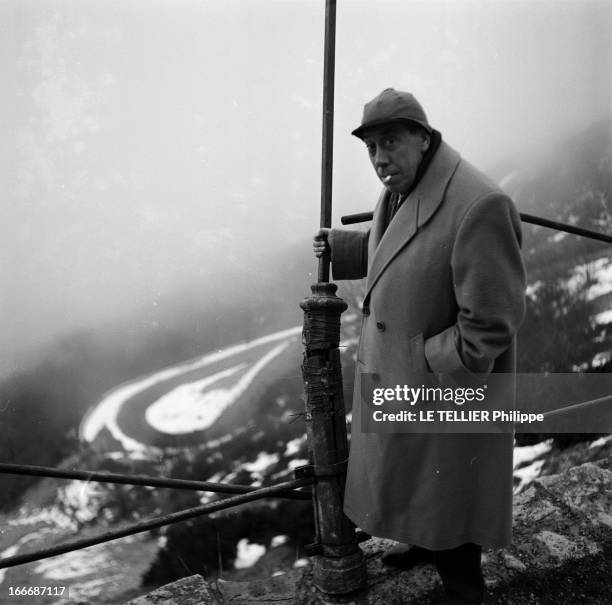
(263, 461)
(532, 289)
(248, 554)
(215, 443)
(604, 318)
(527, 453)
(11, 551)
(600, 271)
(303, 562)
(81, 499)
(293, 464)
(173, 412)
(601, 359)
(557, 237)
(527, 474)
(279, 541)
(53, 516)
(600, 442)
(293, 446)
(73, 564)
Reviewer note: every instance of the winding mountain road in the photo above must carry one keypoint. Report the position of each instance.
(188, 397)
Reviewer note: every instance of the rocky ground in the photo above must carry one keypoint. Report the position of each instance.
(561, 554)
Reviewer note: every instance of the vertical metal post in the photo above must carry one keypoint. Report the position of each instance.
(338, 566)
(327, 146)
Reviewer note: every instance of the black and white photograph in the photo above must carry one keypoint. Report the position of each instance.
(306, 302)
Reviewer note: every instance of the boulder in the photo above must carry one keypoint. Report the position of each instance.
(192, 590)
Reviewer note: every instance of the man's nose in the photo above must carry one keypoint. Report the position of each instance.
(381, 158)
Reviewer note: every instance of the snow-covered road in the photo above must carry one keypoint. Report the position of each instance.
(193, 405)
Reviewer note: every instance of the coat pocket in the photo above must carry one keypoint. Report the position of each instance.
(417, 362)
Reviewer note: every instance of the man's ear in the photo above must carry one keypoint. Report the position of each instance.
(425, 144)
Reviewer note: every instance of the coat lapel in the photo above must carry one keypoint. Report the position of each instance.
(416, 210)
(378, 223)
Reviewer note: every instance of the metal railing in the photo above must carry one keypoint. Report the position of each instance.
(362, 217)
(243, 494)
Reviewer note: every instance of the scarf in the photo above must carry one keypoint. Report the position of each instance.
(397, 199)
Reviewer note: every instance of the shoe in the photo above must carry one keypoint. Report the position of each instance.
(405, 556)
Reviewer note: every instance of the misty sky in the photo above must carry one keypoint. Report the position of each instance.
(149, 143)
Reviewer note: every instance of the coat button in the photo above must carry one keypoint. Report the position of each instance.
(366, 310)
(381, 326)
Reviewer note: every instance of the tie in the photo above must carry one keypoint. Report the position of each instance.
(396, 202)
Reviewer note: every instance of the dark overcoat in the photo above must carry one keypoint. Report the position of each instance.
(444, 293)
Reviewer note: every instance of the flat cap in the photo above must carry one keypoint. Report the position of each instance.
(392, 106)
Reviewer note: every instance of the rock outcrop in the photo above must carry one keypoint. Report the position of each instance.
(561, 553)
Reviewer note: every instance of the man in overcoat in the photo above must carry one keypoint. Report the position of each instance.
(444, 295)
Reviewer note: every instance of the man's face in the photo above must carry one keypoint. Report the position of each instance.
(396, 153)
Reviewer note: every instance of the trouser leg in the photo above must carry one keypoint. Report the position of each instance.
(461, 574)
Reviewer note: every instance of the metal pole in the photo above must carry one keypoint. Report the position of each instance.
(575, 407)
(544, 222)
(203, 486)
(362, 217)
(327, 159)
(338, 563)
